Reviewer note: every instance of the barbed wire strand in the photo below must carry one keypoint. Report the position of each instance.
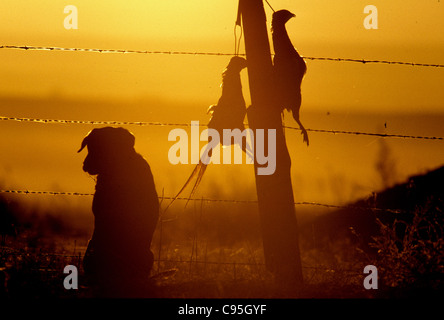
(383, 135)
(307, 203)
(95, 122)
(129, 51)
(162, 124)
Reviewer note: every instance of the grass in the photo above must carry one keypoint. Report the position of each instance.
(410, 252)
(194, 261)
(36, 273)
(209, 272)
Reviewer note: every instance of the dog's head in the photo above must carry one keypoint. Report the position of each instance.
(106, 147)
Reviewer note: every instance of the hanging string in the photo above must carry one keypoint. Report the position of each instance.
(270, 6)
(237, 41)
(238, 17)
(237, 24)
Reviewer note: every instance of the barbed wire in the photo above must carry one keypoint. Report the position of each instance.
(358, 133)
(51, 193)
(42, 48)
(97, 122)
(129, 51)
(144, 123)
(164, 124)
(300, 203)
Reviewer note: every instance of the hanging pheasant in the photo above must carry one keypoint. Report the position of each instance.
(289, 68)
(228, 113)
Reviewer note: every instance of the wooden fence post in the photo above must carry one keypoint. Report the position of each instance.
(275, 191)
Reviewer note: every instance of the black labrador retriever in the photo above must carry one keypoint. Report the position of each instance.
(126, 209)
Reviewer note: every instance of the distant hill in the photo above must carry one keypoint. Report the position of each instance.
(418, 191)
(7, 218)
(18, 218)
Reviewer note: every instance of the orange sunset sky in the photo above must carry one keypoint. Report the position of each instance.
(411, 31)
(168, 88)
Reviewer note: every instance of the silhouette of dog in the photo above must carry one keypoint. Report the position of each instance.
(126, 210)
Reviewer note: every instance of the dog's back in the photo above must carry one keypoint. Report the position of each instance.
(125, 207)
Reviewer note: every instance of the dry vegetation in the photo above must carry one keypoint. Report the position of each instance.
(214, 251)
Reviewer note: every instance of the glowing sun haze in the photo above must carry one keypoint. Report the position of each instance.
(179, 88)
(409, 31)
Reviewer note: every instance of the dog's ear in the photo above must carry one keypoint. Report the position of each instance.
(84, 143)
